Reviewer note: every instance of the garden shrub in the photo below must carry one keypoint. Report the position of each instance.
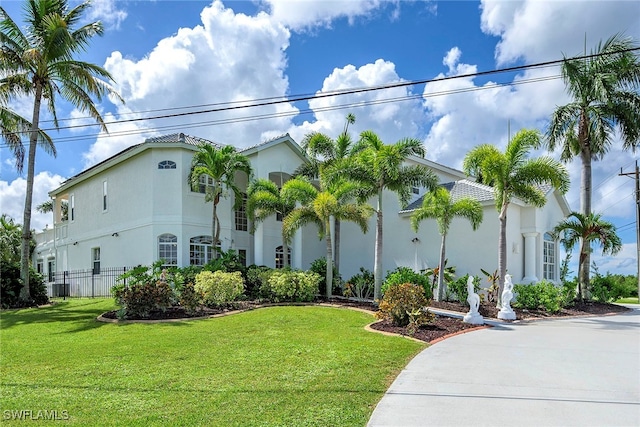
(140, 299)
(360, 285)
(219, 287)
(189, 299)
(319, 266)
(459, 287)
(406, 275)
(10, 285)
(403, 304)
(298, 286)
(255, 276)
(542, 294)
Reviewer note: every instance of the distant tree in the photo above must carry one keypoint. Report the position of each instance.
(318, 206)
(376, 167)
(512, 174)
(39, 62)
(587, 229)
(265, 199)
(221, 165)
(440, 205)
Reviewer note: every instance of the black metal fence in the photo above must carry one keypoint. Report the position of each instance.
(84, 283)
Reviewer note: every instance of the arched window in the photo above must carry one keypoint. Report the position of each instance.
(549, 257)
(200, 250)
(280, 257)
(168, 249)
(167, 164)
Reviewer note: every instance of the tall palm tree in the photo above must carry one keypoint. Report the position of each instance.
(442, 207)
(587, 229)
(605, 99)
(40, 62)
(512, 174)
(318, 206)
(326, 156)
(13, 127)
(220, 164)
(265, 199)
(377, 167)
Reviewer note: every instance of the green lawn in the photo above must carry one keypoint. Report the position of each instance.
(298, 366)
(630, 300)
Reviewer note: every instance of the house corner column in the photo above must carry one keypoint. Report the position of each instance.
(530, 257)
(258, 245)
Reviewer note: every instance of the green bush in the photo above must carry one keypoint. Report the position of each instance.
(459, 287)
(361, 285)
(189, 299)
(219, 287)
(255, 276)
(542, 294)
(319, 266)
(10, 285)
(297, 286)
(403, 304)
(612, 287)
(403, 275)
(140, 299)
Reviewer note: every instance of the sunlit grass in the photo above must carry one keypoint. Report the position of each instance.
(271, 366)
(630, 300)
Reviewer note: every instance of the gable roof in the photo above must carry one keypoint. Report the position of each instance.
(173, 138)
(459, 189)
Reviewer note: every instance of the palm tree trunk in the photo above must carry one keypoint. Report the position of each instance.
(285, 252)
(215, 229)
(336, 238)
(377, 269)
(585, 207)
(440, 294)
(329, 271)
(502, 252)
(25, 247)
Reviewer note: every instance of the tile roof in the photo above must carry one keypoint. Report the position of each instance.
(458, 190)
(284, 135)
(181, 137)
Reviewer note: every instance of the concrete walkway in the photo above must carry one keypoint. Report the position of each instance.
(570, 372)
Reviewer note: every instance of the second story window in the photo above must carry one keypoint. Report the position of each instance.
(167, 164)
(72, 207)
(104, 195)
(241, 215)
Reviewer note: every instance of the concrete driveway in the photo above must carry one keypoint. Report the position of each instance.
(573, 372)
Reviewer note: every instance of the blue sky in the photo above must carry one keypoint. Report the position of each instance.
(176, 54)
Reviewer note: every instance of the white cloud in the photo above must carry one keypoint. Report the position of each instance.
(391, 121)
(108, 12)
(625, 262)
(230, 57)
(309, 14)
(12, 195)
(544, 30)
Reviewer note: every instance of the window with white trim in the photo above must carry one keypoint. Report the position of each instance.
(72, 206)
(167, 164)
(242, 224)
(104, 196)
(95, 260)
(280, 256)
(549, 257)
(200, 250)
(168, 249)
(203, 182)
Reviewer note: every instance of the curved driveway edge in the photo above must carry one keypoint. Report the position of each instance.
(563, 372)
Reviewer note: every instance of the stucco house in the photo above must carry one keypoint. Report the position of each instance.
(137, 207)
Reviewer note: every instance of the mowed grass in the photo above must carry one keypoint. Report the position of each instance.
(629, 300)
(301, 366)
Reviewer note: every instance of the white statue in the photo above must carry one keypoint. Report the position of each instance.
(473, 316)
(506, 312)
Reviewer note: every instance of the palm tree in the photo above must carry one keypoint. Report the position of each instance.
(605, 99)
(512, 174)
(264, 199)
(325, 157)
(40, 62)
(319, 206)
(442, 207)
(587, 229)
(220, 164)
(13, 126)
(378, 167)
